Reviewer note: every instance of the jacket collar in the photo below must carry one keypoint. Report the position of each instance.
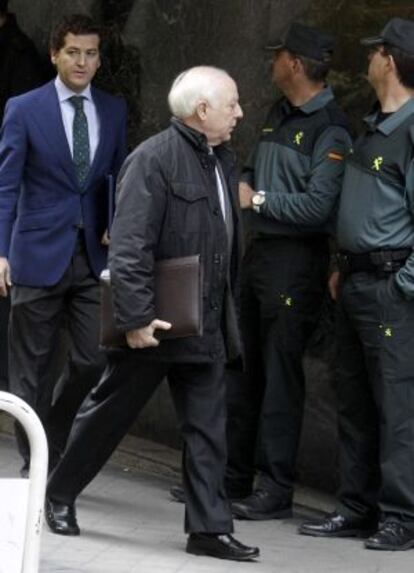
(394, 120)
(199, 141)
(64, 92)
(315, 104)
(196, 138)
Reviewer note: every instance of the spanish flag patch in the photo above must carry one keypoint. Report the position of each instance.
(335, 155)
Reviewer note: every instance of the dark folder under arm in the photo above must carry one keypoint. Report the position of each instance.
(178, 297)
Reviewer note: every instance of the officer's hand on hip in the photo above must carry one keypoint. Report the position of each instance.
(333, 284)
(5, 279)
(144, 337)
(245, 195)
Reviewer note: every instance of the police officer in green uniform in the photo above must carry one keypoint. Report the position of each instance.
(375, 383)
(289, 190)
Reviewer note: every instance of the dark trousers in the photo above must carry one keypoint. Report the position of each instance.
(243, 405)
(34, 334)
(283, 285)
(375, 393)
(4, 321)
(109, 410)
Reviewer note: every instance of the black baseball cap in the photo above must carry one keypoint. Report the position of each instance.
(398, 33)
(306, 41)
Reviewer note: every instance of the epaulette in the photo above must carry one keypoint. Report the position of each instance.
(337, 116)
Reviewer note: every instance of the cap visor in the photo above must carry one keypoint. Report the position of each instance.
(274, 46)
(372, 41)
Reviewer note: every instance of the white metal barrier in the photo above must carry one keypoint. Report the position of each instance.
(21, 540)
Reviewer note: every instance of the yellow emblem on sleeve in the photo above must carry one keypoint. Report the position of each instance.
(298, 137)
(376, 165)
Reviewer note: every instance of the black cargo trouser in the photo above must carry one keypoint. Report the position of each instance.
(375, 393)
(283, 285)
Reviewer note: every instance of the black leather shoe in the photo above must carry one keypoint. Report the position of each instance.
(261, 505)
(223, 546)
(391, 536)
(338, 525)
(177, 493)
(61, 518)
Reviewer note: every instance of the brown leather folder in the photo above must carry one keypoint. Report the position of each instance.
(178, 296)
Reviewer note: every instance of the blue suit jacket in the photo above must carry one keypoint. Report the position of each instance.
(40, 199)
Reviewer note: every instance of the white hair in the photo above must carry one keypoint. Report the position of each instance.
(201, 83)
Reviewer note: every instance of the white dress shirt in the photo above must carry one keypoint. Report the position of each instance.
(68, 113)
(220, 193)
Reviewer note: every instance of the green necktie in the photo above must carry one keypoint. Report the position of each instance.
(81, 154)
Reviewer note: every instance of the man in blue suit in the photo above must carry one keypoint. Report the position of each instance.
(59, 143)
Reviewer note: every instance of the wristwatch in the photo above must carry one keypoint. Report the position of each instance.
(258, 201)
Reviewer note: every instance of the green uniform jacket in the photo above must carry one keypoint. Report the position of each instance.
(376, 209)
(298, 161)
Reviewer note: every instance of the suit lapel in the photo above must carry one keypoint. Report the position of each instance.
(48, 119)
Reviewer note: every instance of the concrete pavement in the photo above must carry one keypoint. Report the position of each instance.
(130, 525)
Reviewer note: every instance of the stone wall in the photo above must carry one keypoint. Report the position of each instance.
(150, 41)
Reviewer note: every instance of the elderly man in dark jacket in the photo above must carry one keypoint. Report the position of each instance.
(176, 198)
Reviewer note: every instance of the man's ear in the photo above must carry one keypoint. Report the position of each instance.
(297, 65)
(201, 110)
(391, 64)
(53, 56)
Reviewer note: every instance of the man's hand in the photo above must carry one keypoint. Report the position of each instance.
(245, 195)
(5, 280)
(105, 239)
(144, 337)
(333, 284)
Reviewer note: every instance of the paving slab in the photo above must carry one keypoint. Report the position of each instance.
(130, 525)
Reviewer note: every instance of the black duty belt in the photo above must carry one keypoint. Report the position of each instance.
(388, 261)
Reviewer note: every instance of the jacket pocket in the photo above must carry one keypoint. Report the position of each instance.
(189, 191)
(189, 207)
(35, 220)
